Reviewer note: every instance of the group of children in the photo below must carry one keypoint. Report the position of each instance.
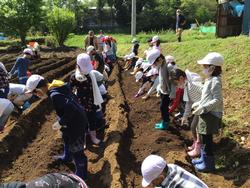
(79, 102)
(200, 102)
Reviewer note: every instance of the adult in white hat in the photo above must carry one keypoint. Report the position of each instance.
(21, 66)
(72, 120)
(209, 109)
(158, 173)
(85, 82)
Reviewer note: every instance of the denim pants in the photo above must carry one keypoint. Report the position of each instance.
(4, 117)
(165, 101)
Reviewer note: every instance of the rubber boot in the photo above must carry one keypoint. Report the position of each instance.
(93, 137)
(208, 164)
(191, 147)
(66, 157)
(25, 105)
(199, 160)
(161, 126)
(196, 151)
(179, 39)
(81, 163)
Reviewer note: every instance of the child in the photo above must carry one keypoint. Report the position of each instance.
(6, 108)
(59, 180)
(165, 87)
(158, 173)
(156, 43)
(209, 109)
(4, 82)
(72, 121)
(192, 85)
(148, 79)
(84, 83)
(21, 66)
(18, 96)
(110, 56)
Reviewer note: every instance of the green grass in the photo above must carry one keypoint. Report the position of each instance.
(165, 36)
(195, 46)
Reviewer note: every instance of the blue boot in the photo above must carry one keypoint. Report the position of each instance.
(199, 160)
(208, 164)
(66, 157)
(161, 126)
(81, 163)
(25, 105)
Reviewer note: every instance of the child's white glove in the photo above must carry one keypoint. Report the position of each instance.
(56, 126)
(195, 105)
(198, 111)
(184, 120)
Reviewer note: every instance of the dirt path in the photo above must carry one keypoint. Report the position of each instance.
(141, 139)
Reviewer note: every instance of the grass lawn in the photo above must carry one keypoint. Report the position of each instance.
(165, 36)
(195, 45)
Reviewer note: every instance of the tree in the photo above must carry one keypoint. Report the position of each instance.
(61, 22)
(17, 16)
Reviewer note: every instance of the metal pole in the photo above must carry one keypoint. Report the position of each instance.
(133, 19)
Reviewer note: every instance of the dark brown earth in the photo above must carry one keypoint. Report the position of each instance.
(28, 145)
(172, 144)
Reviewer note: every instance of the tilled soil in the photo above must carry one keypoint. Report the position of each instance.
(141, 140)
(129, 138)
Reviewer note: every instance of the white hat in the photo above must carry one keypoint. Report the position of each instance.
(130, 56)
(152, 72)
(28, 51)
(84, 63)
(169, 59)
(212, 58)
(139, 61)
(155, 39)
(32, 82)
(151, 168)
(90, 48)
(153, 55)
(134, 40)
(138, 76)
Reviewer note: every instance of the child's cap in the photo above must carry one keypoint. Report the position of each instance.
(138, 76)
(151, 168)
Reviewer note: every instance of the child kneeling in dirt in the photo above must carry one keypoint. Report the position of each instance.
(72, 119)
(6, 108)
(158, 173)
(60, 180)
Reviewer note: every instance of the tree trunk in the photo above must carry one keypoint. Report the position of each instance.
(23, 36)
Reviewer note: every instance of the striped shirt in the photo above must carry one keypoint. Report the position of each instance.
(178, 177)
(192, 94)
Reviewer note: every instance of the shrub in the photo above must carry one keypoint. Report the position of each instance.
(51, 41)
(61, 23)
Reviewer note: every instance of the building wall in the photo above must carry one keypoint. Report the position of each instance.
(246, 18)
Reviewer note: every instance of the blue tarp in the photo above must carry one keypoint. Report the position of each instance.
(237, 8)
(246, 18)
